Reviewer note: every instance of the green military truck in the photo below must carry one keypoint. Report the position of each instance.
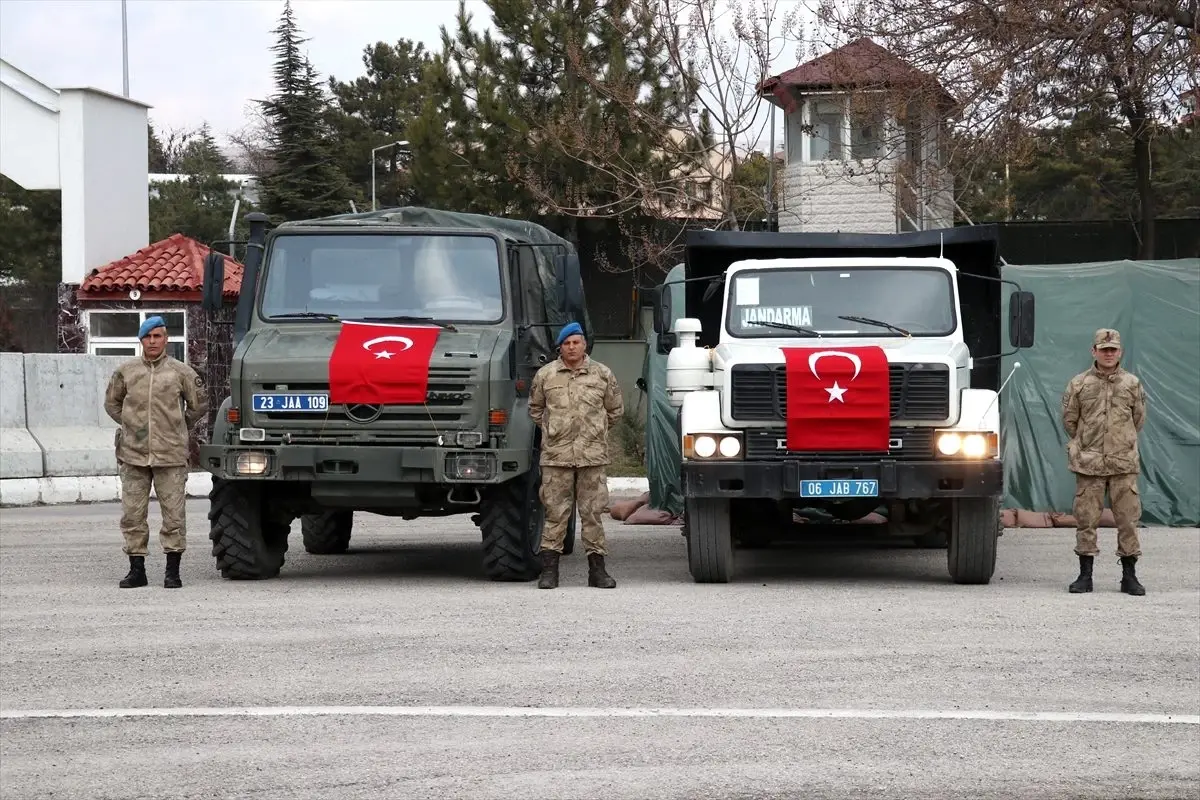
(280, 449)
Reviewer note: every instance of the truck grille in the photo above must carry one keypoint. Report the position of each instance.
(919, 392)
(450, 402)
(916, 444)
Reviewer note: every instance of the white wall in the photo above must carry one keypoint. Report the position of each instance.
(91, 145)
(28, 131)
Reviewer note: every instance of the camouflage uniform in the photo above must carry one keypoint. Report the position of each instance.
(147, 399)
(575, 408)
(1103, 412)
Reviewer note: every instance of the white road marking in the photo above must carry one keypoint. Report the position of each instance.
(583, 712)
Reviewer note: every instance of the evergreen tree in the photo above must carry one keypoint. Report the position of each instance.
(306, 180)
(374, 110)
(511, 119)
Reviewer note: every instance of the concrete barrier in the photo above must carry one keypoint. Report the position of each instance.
(64, 406)
(20, 455)
(56, 442)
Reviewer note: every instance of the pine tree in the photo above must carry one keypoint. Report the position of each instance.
(511, 117)
(306, 180)
(375, 109)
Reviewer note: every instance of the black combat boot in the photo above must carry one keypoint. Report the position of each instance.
(549, 579)
(137, 573)
(1084, 582)
(596, 575)
(1129, 582)
(171, 579)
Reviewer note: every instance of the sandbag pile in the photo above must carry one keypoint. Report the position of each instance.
(638, 512)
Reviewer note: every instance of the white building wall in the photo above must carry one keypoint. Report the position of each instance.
(822, 197)
(90, 145)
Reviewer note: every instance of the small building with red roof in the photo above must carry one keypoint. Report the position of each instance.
(163, 278)
(864, 143)
(102, 314)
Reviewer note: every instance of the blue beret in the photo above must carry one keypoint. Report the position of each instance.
(150, 324)
(570, 329)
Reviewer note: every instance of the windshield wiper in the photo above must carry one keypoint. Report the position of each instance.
(785, 326)
(304, 315)
(880, 323)
(407, 318)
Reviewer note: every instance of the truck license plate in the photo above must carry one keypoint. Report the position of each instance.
(291, 401)
(844, 488)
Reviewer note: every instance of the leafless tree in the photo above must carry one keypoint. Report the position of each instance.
(252, 142)
(723, 50)
(1016, 66)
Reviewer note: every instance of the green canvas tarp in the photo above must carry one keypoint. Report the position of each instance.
(663, 448)
(1156, 307)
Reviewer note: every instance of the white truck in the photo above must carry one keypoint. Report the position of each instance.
(841, 372)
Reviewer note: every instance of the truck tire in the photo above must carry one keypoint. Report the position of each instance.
(709, 540)
(974, 534)
(247, 542)
(510, 517)
(328, 532)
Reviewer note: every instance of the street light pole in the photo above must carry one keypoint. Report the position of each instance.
(125, 47)
(374, 150)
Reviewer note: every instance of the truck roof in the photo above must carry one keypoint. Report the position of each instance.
(841, 262)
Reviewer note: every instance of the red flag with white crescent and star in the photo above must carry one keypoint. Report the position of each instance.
(381, 364)
(838, 399)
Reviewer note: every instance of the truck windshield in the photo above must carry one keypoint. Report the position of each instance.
(350, 276)
(916, 301)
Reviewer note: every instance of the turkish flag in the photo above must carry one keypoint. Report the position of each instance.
(838, 399)
(381, 364)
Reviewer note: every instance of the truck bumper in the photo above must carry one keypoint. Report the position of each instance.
(898, 480)
(348, 464)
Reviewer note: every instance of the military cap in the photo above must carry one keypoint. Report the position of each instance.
(1106, 339)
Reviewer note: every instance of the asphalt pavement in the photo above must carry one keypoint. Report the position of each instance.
(397, 671)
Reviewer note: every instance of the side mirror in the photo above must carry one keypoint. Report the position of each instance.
(1021, 319)
(569, 280)
(213, 289)
(665, 342)
(640, 383)
(660, 296)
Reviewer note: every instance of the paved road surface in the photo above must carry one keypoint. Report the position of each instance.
(396, 671)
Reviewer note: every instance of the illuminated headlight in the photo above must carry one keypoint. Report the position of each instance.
(712, 445)
(252, 462)
(968, 444)
(470, 466)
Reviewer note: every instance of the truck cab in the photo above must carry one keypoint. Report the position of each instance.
(773, 378)
(284, 447)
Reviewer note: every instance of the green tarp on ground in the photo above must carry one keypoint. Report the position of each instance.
(1156, 307)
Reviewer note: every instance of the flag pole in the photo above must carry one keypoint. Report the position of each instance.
(125, 46)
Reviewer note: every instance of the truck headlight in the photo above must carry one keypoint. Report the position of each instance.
(716, 446)
(967, 444)
(252, 462)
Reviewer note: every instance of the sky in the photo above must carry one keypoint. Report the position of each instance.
(194, 61)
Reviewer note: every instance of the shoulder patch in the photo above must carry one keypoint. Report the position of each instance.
(199, 380)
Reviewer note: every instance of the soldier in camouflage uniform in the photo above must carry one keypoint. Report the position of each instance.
(155, 400)
(1103, 410)
(575, 401)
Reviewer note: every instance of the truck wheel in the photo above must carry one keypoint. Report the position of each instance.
(974, 532)
(328, 532)
(710, 543)
(248, 543)
(511, 521)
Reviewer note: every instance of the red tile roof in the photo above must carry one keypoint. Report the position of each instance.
(174, 265)
(859, 64)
